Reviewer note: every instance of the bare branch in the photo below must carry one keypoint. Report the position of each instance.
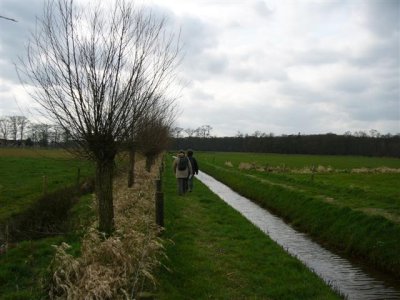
(2, 17)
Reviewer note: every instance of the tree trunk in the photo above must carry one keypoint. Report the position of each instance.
(131, 171)
(104, 193)
(149, 162)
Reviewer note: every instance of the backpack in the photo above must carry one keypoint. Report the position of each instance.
(182, 164)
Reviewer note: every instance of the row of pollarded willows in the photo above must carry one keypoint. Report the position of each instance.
(101, 71)
(116, 267)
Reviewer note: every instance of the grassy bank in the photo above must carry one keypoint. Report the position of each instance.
(24, 174)
(24, 265)
(351, 204)
(80, 263)
(214, 252)
(24, 268)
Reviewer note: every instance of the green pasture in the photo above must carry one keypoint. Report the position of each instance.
(213, 252)
(24, 268)
(349, 203)
(25, 173)
(367, 184)
(300, 160)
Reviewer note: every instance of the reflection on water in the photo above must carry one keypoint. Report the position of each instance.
(342, 275)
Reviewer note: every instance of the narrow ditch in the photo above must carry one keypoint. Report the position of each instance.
(344, 276)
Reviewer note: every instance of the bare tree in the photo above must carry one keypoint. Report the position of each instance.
(176, 131)
(347, 133)
(4, 127)
(40, 134)
(13, 121)
(55, 135)
(10, 19)
(34, 132)
(204, 131)
(153, 136)
(207, 130)
(22, 122)
(88, 66)
(190, 132)
(374, 133)
(44, 134)
(239, 134)
(153, 106)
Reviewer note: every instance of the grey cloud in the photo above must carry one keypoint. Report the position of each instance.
(351, 84)
(7, 70)
(371, 110)
(251, 117)
(299, 91)
(256, 66)
(383, 17)
(261, 8)
(199, 41)
(216, 63)
(382, 51)
(14, 35)
(317, 57)
(259, 74)
(198, 94)
(204, 65)
(197, 35)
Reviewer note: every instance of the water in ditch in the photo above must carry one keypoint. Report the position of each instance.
(341, 274)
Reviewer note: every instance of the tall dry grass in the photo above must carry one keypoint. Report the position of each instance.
(117, 267)
(312, 169)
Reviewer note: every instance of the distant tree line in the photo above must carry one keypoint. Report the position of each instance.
(20, 131)
(203, 131)
(357, 143)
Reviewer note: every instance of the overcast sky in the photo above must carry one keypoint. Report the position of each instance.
(283, 66)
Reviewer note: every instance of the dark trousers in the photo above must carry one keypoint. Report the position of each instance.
(182, 185)
(190, 183)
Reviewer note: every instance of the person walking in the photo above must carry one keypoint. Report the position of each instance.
(195, 169)
(182, 169)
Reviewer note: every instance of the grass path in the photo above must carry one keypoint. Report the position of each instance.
(215, 253)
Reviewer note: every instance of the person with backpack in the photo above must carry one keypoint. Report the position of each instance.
(182, 169)
(195, 169)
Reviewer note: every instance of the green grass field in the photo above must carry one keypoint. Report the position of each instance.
(349, 203)
(300, 161)
(22, 172)
(367, 184)
(215, 253)
(24, 267)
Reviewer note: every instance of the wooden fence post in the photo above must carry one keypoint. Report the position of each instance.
(158, 185)
(44, 184)
(78, 178)
(160, 208)
(313, 169)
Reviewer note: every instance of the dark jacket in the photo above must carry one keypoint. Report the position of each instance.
(194, 164)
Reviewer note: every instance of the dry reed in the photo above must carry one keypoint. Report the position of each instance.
(119, 266)
(229, 164)
(246, 166)
(376, 170)
(312, 169)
